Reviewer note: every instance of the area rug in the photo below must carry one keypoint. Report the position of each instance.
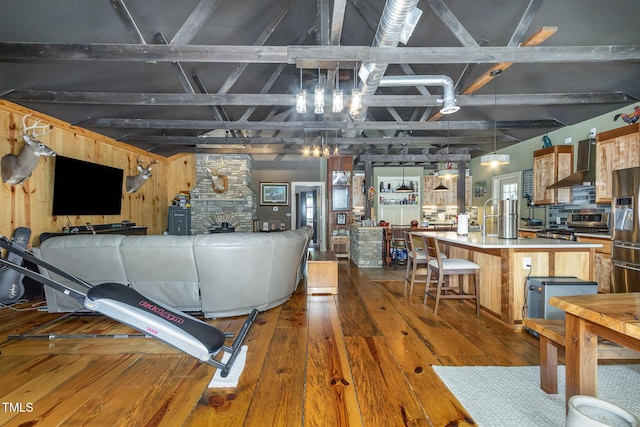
(511, 396)
(232, 379)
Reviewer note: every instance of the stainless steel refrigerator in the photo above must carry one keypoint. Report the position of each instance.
(625, 255)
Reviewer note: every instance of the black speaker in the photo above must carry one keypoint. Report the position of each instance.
(179, 221)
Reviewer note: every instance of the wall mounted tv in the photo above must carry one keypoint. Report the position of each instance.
(84, 188)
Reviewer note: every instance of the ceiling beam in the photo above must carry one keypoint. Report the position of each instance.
(30, 52)
(288, 100)
(223, 140)
(312, 125)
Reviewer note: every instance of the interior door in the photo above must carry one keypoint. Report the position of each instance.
(308, 211)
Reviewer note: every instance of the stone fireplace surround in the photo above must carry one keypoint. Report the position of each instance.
(239, 200)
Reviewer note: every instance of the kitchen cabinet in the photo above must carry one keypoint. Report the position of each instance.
(398, 208)
(444, 198)
(602, 262)
(615, 149)
(549, 166)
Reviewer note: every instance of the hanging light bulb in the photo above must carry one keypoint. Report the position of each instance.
(318, 96)
(301, 98)
(337, 104)
(355, 103)
(316, 151)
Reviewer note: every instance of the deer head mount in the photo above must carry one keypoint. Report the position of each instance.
(219, 182)
(134, 182)
(16, 169)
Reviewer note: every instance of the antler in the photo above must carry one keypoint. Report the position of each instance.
(34, 135)
(153, 161)
(214, 171)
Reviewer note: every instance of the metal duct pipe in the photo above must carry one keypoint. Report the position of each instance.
(388, 33)
(448, 102)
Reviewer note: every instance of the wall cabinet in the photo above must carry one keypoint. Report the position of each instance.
(615, 149)
(396, 207)
(444, 198)
(549, 166)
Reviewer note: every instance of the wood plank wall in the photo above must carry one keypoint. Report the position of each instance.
(29, 204)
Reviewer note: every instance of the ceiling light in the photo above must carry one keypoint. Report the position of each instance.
(318, 100)
(449, 172)
(301, 98)
(355, 103)
(441, 187)
(337, 104)
(495, 159)
(318, 95)
(301, 101)
(404, 188)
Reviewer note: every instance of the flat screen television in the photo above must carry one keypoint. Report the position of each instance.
(84, 188)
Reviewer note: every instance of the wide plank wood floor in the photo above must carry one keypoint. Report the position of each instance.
(359, 358)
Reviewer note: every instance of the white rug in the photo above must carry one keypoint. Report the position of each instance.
(511, 396)
(232, 379)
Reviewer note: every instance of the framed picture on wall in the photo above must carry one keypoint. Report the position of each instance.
(274, 193)
(340, 199)
(341, 218)
(341, 178)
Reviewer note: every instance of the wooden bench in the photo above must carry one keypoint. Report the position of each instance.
(322, 272)
(552, 337)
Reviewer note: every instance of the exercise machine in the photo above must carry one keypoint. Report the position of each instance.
(127, 306)
(11, 287)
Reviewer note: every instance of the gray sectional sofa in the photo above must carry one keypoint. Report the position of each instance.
(221, 275)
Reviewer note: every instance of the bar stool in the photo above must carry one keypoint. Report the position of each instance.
(398, 242)
(442, 267)
(415, 258)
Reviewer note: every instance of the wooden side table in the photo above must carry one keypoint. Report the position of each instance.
(341, 241)
(322, 273)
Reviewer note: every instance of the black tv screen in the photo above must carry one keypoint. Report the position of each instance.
(84, 188)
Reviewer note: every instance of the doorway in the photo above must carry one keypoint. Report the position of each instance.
(309, 208)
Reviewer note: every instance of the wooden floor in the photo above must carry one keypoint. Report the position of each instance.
(362, 357)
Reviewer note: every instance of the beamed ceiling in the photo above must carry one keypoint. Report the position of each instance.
(219, 76)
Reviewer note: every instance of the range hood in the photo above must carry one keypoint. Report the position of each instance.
(585, 173)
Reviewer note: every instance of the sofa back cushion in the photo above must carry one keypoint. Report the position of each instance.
(163, 268)
(93, 258)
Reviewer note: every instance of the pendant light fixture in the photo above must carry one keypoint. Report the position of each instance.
(337, 104)
(441, 186)
(495, 159)
(301, 98)
(318, 95)
(355, 103)
(404, 188)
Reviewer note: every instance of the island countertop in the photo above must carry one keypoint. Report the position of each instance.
(477, 240)
(507, 264)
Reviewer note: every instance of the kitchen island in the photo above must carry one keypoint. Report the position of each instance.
(504, 267)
